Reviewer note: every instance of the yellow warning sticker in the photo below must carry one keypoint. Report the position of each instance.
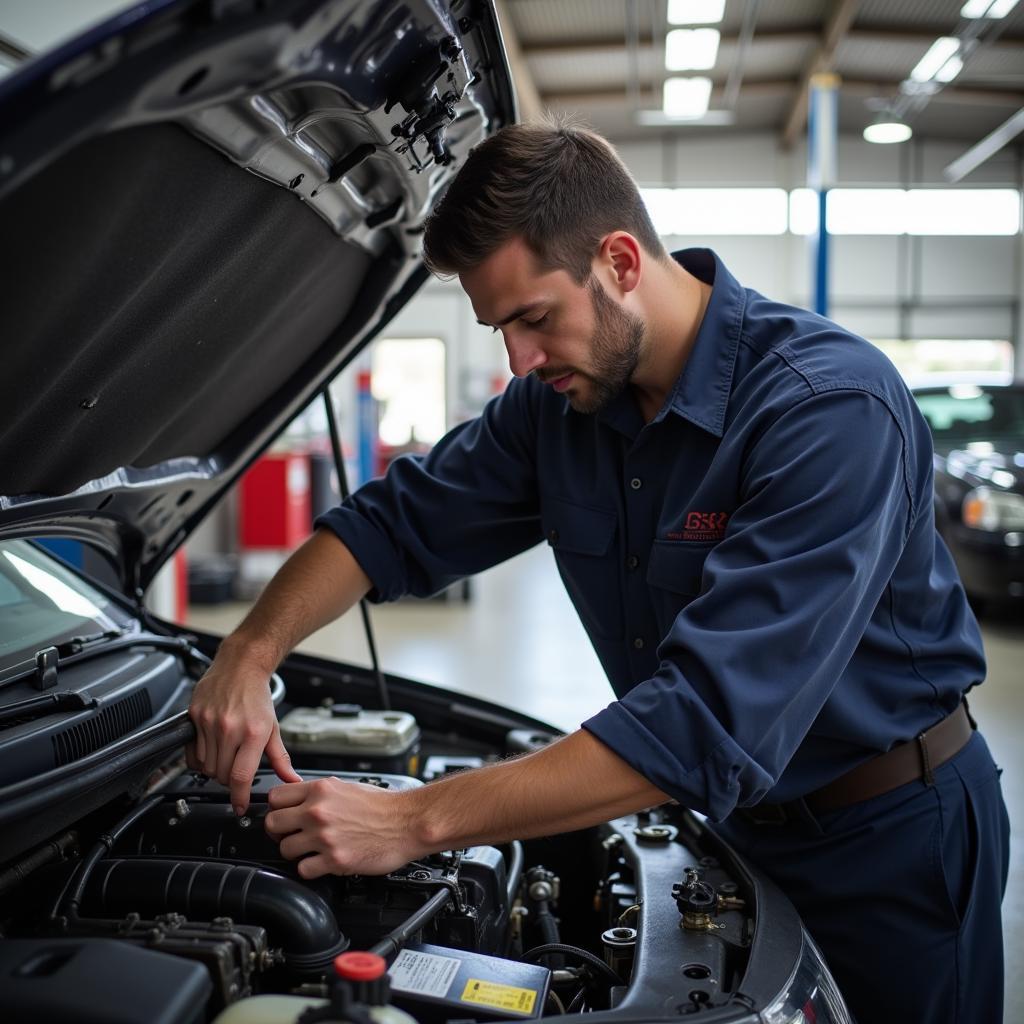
(500, 997)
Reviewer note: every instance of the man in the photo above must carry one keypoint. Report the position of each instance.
(739, 498)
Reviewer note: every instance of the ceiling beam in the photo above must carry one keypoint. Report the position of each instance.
(989, 146)
(802, 35)
(783, 87)
(839, 22)
(531, 108)
(12, 50)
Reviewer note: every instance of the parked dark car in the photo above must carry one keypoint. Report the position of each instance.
(978, 430)
(209, 209)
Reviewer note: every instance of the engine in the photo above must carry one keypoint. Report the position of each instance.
(169, 907)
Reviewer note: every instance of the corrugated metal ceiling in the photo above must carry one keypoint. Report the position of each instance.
(606, 57)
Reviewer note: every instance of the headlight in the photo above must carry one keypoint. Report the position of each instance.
(986, 509)
(811, 997)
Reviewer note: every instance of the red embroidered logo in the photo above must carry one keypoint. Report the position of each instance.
(702, 526)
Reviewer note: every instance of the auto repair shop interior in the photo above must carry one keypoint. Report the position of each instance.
(736, 118)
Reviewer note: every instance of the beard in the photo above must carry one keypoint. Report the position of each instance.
(615, 346)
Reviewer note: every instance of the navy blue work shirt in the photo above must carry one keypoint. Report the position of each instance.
(757, 567)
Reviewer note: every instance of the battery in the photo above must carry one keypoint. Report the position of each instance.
(438, 983)
(347, 737)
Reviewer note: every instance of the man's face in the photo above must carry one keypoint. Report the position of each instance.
(573, 337)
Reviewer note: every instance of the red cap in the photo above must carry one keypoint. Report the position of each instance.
(360, 966)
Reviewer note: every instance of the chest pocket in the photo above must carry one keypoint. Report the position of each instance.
(674, 574)
(583, 542)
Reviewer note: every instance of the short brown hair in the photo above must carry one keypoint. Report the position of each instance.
(557, 185)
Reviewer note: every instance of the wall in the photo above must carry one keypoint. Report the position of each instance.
(881, 286)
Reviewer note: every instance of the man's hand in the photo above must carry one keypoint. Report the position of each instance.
(350, 828)
(235, 723)
(341, 828)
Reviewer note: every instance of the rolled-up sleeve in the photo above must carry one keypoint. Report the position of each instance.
(466, 506)
(826, 507)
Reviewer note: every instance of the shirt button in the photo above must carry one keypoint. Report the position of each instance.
(638, 643)
(636, 483)
(553, 536)
(632, 562)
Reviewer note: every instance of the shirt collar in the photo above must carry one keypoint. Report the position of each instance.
(701, 393)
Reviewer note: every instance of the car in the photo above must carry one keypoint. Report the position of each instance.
(209, 210)
(978, 432)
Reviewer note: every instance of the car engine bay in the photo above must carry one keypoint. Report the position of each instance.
(161, 904)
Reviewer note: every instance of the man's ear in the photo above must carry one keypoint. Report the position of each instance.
(619, 261)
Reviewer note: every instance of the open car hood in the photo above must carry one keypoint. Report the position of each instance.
(209, 208)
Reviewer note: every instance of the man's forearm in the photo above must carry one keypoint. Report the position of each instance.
(319, 582)
(349, 828)
(574, 783)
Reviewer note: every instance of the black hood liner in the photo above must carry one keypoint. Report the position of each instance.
(168, 297)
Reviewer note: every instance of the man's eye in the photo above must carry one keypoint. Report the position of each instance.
(537, 323)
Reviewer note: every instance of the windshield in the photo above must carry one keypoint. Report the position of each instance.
(966, 413)
(42, 603)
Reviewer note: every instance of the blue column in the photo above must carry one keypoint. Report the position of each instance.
(822, 136)
(367, 427)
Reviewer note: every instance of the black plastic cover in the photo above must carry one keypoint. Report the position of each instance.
(98, 981)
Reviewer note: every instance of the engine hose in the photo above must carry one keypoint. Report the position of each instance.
(515, 871)
(50, 853)
(393, 941)
(545, 923)
(69, 905)
(294, 915)
(585, 955)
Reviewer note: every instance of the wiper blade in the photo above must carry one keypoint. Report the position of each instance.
(77, 644)
(44, 667)
(64, 701)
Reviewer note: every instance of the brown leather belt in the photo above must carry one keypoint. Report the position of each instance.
(915, 759)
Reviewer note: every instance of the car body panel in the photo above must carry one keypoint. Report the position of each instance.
(232, 197)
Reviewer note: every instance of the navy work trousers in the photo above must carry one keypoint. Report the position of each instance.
(902, 892)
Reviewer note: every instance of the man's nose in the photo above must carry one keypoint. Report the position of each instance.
(524, 354)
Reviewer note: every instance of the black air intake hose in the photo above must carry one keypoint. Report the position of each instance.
(295, 917)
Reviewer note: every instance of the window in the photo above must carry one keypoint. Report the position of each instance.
(918, 211)
(717, 211)
(409, 383)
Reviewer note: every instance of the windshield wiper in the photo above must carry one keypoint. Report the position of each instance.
(44, 668)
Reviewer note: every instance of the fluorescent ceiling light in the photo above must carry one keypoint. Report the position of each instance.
(691, 49)
(887, 131)
(687, 97)
(987, 8)
(949, 70)
(695, 12)
(939, 52)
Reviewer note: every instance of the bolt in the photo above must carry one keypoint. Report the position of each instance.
(541, 891)
(182, 808)
(245, 821)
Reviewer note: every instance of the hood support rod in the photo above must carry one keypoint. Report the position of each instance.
(364, 608)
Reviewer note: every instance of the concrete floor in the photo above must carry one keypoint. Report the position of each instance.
(518, 642)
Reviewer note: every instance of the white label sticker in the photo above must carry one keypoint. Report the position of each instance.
(423, 973)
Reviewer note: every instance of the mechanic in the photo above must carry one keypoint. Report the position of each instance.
(738, 494)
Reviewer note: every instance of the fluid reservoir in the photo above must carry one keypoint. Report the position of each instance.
(361, 983)
(347, 737)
